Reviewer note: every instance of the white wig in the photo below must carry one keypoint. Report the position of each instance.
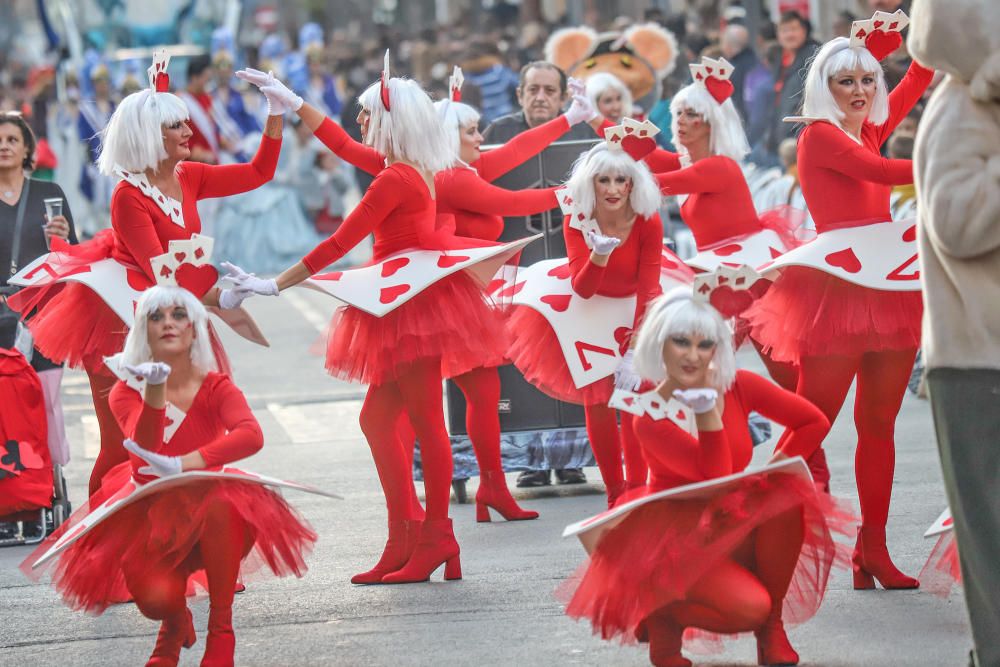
(837, 56)
(411, 131)
(133, 138)
(137, 349)
(602, 82)
(602, 161)
(454, 116)
(676, 313)
(727, 136)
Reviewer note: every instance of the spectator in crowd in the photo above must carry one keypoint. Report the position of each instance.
(497, 83)
(204, 140)
(797, 48)
(736, 48)
(903, 197)
(758, 97)
(842, 24)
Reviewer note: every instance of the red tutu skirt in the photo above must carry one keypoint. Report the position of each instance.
(161, 533)
(659, 551)
(536, 352)
(943, 569)
(451, 320)
(807, 313)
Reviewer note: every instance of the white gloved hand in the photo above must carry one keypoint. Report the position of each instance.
(602, 245)
(581, 111)
(576, 86)
(280, 98)
(699, 400)
(230, 298)
(159, 465)
(246, 284)
(153, 372)
(625, 375)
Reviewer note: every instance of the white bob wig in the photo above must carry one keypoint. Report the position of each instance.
(137, 349)
(727, 137)
(411, 131)
(454, 116)
(602, 161)
(838, 56)
(133, 138)
(602, 82)
(676, 313)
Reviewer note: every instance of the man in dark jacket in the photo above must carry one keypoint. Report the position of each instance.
(797, 48)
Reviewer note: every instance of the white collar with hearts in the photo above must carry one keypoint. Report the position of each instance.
(170, 206)
(657, 408)
(173, 416)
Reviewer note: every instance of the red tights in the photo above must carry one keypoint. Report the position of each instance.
(882, 379)
(606, 443)
(112, 452)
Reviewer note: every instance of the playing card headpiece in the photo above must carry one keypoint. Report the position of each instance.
(729, 290)
(632, 137)
(455, 84)
(159, 80)
(383, 90)
(881, 34)
(714, 75)
(187, 264)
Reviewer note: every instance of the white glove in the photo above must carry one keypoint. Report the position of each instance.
(576, 86)
(159, 465)
(246, 284)
(699, 400)
(581, 111)
(280, 98)
(153, 372)
(231, 298)
(625, 375)
(602, 245)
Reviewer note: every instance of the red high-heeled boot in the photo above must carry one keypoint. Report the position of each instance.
(773, 647)
(220, 646)
(871, 561)
(436, 545)
(493, 492)
(175, 633)
(665, 640)
(398, 549)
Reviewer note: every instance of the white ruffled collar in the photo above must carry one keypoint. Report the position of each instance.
(172, 208)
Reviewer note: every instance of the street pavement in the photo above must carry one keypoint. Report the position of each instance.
(504, 612)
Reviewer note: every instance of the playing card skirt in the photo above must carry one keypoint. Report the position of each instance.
(659, 551)
(161, 533)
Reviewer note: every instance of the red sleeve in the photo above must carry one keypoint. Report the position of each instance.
(650, 252)
(384, 194)
(137, 420)
(670, 450)
(493, 164)
(586, 276)
(830, 147)
(805, 425)
(346, 148)
(904, 96)
(133, 226)
(706, 175)
(243, 436)
(464, 190)
(232, 179)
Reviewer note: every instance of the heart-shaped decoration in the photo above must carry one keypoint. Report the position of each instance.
(844, 259)
(167, 421)
(730, 302)
(680, 416)
(727, 250)
(623, 336)
(881, 44)
(508, 292)
(494, 285)
(719, 89)
(947, 522)
(393, 265)
(638, 148)
(197, 279)
(448, 261)
(557, 302)
(910, 235)
(561, 272)
(20, 456)
(878, 24)
(390, 294)
(179, 256)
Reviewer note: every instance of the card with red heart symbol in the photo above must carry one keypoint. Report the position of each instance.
(942, 524)
(758, 248)
(626, 401)
(111, 282)
(165, 267)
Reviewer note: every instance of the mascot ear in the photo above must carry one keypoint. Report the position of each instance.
(569, 46)
(655, 44)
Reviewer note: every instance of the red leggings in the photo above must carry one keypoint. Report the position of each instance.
(606, 443)
(112, 452)
(882, 379)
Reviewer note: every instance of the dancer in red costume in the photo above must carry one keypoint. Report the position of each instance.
(616, 253)
(400, 355)
(749, 558)
(848, 304)
(223, 527)
(146, 145)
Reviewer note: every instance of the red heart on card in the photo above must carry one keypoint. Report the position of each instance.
(137, 280)
(947, 522)
(881, 44)
(680, 416)
(197, 279)
(730, 302)
(561, 272)
(448, 261)
(557, 302)
(623, 338)
(494, 285)
(512, 290)
(167, 421)
(179, 256)
(390, 294)
(910, 235)
(720, 89)
(638, 148)
(844, 259)
(394, 265)
(727, 250)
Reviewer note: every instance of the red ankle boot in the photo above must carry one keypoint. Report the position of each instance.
(175, 633)
(493, 492)
(436, 545)
(773, 647)
(665, 639)
(221, 643)
(398, 549)
(871, 561)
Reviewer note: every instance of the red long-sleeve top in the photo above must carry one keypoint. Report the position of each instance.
(219, 424)
(633, 268)
(478, 207)
(142, 230)
(676, 458)
(847, 184)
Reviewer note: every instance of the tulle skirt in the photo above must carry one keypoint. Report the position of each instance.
(807, 312)
(943, 569)
(536, 352)
(451, 320)
(161, 533)
(659, 551)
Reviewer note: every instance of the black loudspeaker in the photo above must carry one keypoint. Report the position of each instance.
(522, 407)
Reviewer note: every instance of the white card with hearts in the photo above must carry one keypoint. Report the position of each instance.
(880, 256)
(759, 248)
(383, 286)
(119, 287)
(942, 524)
